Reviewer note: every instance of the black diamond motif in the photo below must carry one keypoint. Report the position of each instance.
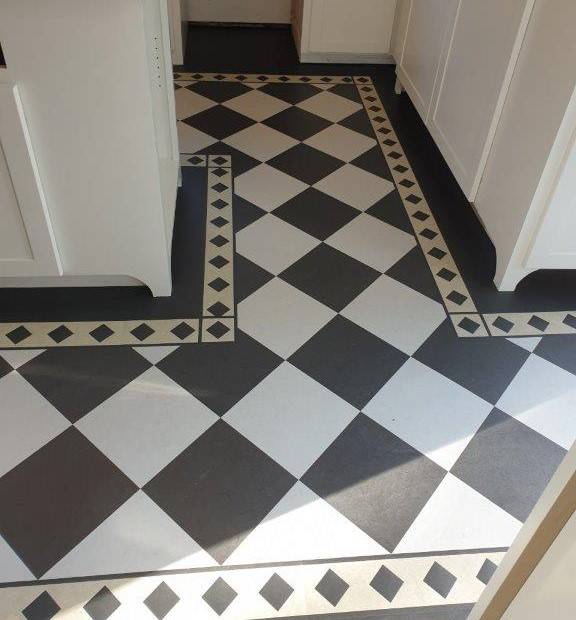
(440, 580)
(219, 204)
(332, 587)
(485, 573)
(219, 241)
(182, 330)
(219, 221)
(413, 199)
(446, 274)
(42, 608)
(503, 324)
(142, 332)
(219, 596)
(161, 601)
(400, 168)
(276, 591)
(218, 284)
(101, 333)
(386, 583)
(60, 334)
(375, 108)
(386, 131)
(220, 161)
(218, 309)
(538, 323)
(218, 261)
(421, 216)
(570, 320)
(389, 142)
(219, 187)
(380, 119)
(219, 122)
(456, 297)
(437, 253)
(406, 183)
(218, 330)
(429, 234)
(18, 335)
(467, 324)
(102, 605)
(219, 172)
(195, 159)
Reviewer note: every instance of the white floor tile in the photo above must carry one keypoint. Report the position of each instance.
(273, 244)
(11, 566)
(146, 424)
(330, 106)
(372, 242)
(261, 142)
(457, 517)
(396, 313)
(17, 357)
(304, 527)
(291, 417)
(138, 537)
(189, 103)
(526, 343)
(192, 140)
(297, 317)
(267, 187)
(256, 105)
(428, 411)
(27, 421)
(155, 354)
(341, 142)
(543, 396)
(356, 187)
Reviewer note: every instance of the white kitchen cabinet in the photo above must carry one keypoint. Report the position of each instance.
(88, 135)
(455, 59)
(342, 31)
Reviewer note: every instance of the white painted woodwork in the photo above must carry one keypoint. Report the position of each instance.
(27, 243)
(526, 196)
(550, 588)
(343, 31)
(177, 18)
(455, 58)
(95, 85)
(240, 11)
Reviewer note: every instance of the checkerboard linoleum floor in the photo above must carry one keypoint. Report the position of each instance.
(347, 420)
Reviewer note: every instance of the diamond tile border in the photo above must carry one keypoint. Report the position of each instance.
(262, 78)
(270, 591)
(218, 322)
(531, 323)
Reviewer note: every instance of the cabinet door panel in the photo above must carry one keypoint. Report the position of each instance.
(429, 24)
(27, 240)
(480, 57)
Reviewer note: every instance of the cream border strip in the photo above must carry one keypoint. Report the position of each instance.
(262, 78)
(443, 267)
(273, 591)
(218, 324)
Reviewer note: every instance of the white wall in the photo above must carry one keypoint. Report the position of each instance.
(249, 11)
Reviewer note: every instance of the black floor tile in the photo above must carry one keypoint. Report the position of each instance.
(509, 463)
(249, 277)
(5, 367)
(219, 122)
(77, 379)
(219, 376)
(349, 91)
(391, 210)
(374, 161)
(560, 350)
(359, 122)
(56, 497)
(291, 93)
(296, 123)
(306, 163)
(316, 213)
(375, 479)
(485, 366)
(219, 91)
(241, 162)
(412, 270)
(245, 213)
(219, 489)
(349, 361)
(330, 276)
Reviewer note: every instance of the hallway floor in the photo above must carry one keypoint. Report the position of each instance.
(358, 447)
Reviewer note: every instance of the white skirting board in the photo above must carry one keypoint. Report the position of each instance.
(347, 59)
